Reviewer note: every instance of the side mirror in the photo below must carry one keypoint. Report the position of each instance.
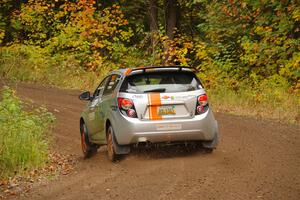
(86, 96)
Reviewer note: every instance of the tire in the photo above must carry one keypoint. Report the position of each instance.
(111, 152)
(88, 148)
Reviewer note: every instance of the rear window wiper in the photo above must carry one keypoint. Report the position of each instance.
(156, 90)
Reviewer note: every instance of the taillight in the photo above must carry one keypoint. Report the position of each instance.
(202, 104)
(125, 104)
(202, 100)
(131, 113)
(126, 107)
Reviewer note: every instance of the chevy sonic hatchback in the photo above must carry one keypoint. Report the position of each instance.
(147, 105)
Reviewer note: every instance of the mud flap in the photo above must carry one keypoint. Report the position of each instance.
(213, 143)
(120, 149)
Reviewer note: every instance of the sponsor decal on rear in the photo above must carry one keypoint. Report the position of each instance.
(165, 127)
(165, 97)
(183, 98)
(137, 96)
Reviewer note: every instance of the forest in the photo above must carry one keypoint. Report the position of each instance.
(246, 51)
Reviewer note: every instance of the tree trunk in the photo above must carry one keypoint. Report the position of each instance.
(153, 11)
(171, 17)
(152, 15)
(171, 10)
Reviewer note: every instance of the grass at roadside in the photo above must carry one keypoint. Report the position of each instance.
(278, 104)
(34, 64)
(23, 143)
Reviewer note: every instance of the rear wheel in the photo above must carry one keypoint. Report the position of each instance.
(88, 148)
(111, 152)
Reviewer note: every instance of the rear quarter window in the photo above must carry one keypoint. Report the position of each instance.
(111, 85)
(167, 81)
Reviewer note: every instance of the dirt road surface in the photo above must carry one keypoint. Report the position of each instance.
(256, 159)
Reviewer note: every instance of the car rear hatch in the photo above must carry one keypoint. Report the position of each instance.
(168, 106)
(162, 94)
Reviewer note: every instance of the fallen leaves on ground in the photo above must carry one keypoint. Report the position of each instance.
(58, 164)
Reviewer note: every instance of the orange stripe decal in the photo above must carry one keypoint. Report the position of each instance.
(127, 72)
(150, 107)
(154, 102)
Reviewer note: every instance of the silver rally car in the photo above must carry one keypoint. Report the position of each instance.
(147, 105)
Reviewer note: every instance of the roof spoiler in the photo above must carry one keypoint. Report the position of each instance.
(127, 72)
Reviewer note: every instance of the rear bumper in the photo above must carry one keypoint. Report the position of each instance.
(202, 127)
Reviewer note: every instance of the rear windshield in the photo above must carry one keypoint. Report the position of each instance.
(161, 82)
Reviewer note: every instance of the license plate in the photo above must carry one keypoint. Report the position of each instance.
(166, 110)
(165, 127)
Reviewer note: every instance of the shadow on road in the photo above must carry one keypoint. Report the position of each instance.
(162, 152)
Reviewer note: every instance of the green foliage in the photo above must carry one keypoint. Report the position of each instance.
(5, 6)
(92, 37)
(23, 145)
(165, 51)
(258, 38)
(75, 29)
(33, 22)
